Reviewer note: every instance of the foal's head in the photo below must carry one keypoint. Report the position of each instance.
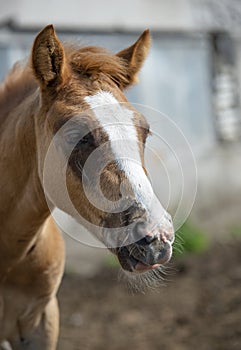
(101, 139)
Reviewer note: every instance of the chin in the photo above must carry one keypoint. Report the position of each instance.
(139, 276)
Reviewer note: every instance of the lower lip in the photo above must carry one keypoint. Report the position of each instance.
(142, 267)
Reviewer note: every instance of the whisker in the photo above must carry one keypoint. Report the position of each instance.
(152, 279)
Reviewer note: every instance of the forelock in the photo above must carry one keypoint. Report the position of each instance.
(92, 60)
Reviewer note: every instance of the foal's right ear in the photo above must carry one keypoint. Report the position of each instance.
(48, 59)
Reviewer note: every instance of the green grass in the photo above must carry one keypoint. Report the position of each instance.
(111, 261)
(189, 239)
(235, 232)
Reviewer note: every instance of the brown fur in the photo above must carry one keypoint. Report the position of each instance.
(18, 84)
(31, 247)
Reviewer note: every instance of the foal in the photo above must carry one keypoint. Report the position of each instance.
(76, 94)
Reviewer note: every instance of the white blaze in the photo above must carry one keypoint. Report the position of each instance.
(117, 121)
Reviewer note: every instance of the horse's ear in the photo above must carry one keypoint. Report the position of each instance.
(134, 56)
(48, 58)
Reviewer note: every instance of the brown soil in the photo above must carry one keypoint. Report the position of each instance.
(200, 308)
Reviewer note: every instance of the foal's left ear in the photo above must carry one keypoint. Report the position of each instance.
(48, 59)
(134, 57)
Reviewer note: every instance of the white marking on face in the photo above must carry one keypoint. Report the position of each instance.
(117, 122)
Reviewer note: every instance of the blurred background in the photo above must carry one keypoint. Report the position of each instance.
(192, 75)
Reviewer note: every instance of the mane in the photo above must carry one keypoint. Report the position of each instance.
(18, 84)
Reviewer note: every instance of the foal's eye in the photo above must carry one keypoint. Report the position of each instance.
(75, 138)
(84, 141)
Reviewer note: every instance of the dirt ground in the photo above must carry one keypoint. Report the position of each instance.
(199, 308)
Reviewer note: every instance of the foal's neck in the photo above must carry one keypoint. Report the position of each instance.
(23, 207)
